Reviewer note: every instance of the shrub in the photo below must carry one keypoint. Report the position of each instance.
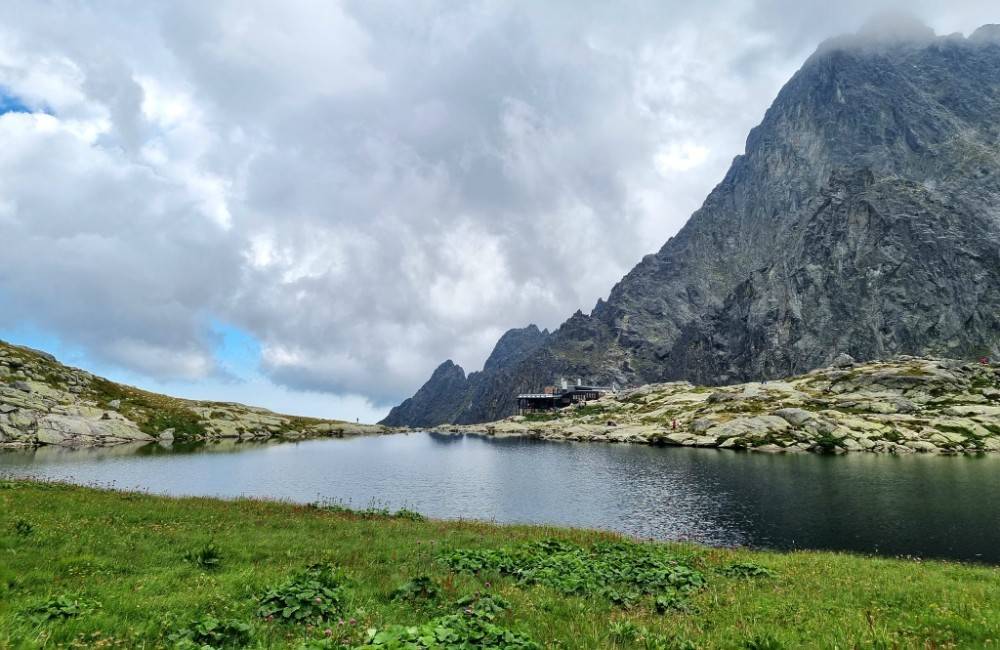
(622, 572)
(371, 512)
(412, 515)
(61, 607)
(473, 627)
(23, 528)
(746, 570)
(624, 631)
(314, 595)
(631, 635)
(671, 602)
(207, 557)
(544, 416)
(763, 642)
(209, 632)
(185, 423)
(827, 442)
(420, 588)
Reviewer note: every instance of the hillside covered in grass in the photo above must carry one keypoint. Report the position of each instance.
(85, 568)
(900, 406)
(43, 402)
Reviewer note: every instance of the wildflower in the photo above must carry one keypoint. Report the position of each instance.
(353, 622)
(327, 632)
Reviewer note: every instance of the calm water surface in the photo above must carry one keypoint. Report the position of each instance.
(912, 505)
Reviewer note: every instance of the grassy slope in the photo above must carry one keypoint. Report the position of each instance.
(126, 551)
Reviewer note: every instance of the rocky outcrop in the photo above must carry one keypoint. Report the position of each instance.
(43, 402)
(863, 217)
(450, 396)
(906, 405)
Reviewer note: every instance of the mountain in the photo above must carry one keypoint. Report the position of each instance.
(863, 218)
(43, 402)
(450, 396)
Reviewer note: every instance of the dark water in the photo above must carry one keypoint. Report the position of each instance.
(912, 505)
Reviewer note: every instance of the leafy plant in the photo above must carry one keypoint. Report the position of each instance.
(411, 515)
(763, 642)
(420, 588)
(671, 602)
(209, 633)
(208, 557)
(624, 631)
(746, 570)
(23, 528)
(371, 512)
(622, 572)
(314, 595)
(827, 442)
(631, 635)
(473, 627)
(61, 607)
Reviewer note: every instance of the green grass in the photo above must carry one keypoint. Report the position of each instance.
(542, 416)
(86, 568)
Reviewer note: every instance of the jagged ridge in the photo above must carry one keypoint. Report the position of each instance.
(864, 217)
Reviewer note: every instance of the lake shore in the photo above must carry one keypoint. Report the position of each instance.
(87, 567)
(905, 405)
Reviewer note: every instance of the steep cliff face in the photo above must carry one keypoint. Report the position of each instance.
(863, 217)
(450, 396)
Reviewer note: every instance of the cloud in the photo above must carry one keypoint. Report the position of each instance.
(365, 188)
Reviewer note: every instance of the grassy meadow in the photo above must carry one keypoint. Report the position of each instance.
(88, 568)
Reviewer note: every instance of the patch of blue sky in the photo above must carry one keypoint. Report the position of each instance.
(11, 103)
(34, 337)
(237, 351)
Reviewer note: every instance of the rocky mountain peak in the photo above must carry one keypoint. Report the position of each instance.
(882, 32)
(863, 217)
(513, 345)
(986, 35)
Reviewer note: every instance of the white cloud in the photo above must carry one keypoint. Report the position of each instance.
(680, 157)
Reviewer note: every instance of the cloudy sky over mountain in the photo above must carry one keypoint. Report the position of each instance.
(309, 205)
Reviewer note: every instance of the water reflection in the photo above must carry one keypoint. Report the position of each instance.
(917, 505)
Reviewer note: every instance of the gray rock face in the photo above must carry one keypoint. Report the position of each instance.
(74, 431)
(842, 361)
(863, 218)
(450, 396)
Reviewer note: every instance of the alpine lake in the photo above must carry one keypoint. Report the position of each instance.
(916, 505)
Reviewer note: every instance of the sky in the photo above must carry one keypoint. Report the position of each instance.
(309, 205)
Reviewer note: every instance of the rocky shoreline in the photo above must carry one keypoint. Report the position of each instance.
(43, 402)
(902, 406)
